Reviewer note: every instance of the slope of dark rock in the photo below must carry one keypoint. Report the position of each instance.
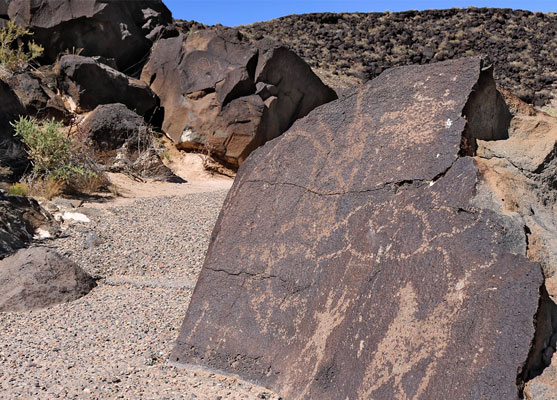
(521, 43)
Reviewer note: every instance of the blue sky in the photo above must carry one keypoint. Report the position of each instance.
(242, 12)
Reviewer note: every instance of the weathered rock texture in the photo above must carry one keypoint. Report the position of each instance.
(123, 30)
(221, 92)
(11, 149)
(37, 278)
(353, 260)
(20, 217)
(90, 83)
(38, 99)
(110, 125)
(361, 45)
(520, 181)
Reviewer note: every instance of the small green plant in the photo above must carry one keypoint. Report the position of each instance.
(19, 189)
(16, 58)
(48, 146)
(59, 164)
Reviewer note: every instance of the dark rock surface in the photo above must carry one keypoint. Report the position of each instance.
(38, 100)
(36, 278)
(110, 125)
(123, 30)
(222, 92)
(12, 154)
(352, 259)
(521, 43)
(90, 83)
(20, 217)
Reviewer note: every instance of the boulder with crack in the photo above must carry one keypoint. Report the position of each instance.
(123, 30)
(356, 256)
(88, 83)
(225, 94)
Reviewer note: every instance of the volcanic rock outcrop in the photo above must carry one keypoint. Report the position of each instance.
(222, 93)
(362, 45)
(123, 30)
(90, 83)
(38, 99)
(38, 277)
(360, 256)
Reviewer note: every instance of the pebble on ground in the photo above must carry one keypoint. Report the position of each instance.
(115, 342)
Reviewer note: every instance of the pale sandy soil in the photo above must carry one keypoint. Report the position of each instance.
(114, 343)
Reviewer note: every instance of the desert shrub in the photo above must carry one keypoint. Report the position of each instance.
(48, 147)
(15, 55)
(19, 189)
(58, 163)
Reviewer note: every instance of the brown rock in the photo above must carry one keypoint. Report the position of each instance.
(208, 81)
(351, 260)
(36, 278)
(89, 83)
(122, 30)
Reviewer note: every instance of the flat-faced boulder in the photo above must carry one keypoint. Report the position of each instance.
(352, 259)
(89, 83)
(36, 278)
(123, 30)
(225, 94)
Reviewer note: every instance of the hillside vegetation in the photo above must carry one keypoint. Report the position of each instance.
(522, 44)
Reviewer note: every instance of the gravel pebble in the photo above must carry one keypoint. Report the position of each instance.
(114, 343)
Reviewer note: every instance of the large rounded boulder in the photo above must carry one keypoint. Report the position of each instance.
(227, 95)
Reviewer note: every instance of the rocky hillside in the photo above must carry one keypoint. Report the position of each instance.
(522, 44)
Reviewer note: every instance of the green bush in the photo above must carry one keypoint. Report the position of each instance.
(16, 58)
(51, 152)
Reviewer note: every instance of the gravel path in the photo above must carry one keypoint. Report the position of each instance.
(115, 342)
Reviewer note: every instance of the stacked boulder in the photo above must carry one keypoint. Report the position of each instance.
(230, 96)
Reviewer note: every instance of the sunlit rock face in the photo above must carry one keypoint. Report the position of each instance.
(355, 258)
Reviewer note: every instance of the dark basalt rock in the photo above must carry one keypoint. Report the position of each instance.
(351, 260)
(37, 278)
(207, 82)
(12, 153)
(362, 45)
(38, 100)
(123, 30)
(110, 125)
(20, 217)
(90, 83)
